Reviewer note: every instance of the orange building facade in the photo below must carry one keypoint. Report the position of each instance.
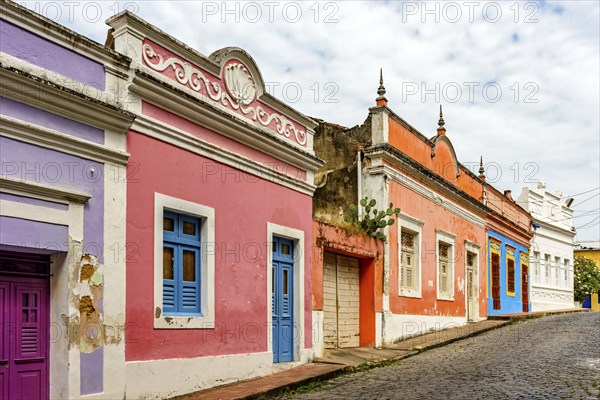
(346, 288)
(433, 269)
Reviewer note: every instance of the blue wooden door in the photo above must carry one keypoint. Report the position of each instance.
(282, 299)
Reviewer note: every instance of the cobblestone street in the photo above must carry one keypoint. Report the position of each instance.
(555, 357)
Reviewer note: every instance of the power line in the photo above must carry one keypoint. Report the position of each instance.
(587, 214)
(579, 194)
(589, 198)
(590, 223)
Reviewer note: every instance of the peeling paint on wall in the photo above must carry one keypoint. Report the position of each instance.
(90, 304)
(87, 328)
(461, 284)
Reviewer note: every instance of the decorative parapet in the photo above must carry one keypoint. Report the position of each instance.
(507, 208)
(547, 207)
(236, 89)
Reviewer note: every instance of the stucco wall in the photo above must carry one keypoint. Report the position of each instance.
(434, 218)
(509, 304)
(242, 209)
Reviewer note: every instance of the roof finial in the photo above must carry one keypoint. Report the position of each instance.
(381, 100)
(441, 130)
(381, 90)
(481, 169)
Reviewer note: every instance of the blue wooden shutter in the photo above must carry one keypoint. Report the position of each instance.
(189, 290)
(181, 285)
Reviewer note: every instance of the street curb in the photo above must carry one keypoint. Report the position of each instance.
(462, 337)
(420, 350)
(294, 385)
(539, 314)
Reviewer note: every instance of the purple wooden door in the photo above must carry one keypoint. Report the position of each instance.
(4, 328)
(24, 335)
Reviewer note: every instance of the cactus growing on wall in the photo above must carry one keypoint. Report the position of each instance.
(373, 220)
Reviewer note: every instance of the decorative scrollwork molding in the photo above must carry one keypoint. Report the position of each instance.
(239, 94)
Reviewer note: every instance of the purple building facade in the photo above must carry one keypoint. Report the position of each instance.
(62, 211)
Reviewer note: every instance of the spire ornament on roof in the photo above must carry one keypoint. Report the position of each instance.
(481, 169)
(381, 100)
(381, 90)
(441, 129)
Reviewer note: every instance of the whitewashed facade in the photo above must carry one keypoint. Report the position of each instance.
(551, 256)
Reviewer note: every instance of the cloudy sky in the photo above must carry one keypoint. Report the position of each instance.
(519, 81)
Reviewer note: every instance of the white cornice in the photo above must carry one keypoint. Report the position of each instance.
(49, 138)
(39, 92)
(445, 233)
(44, 192)
(159, 130)
(551, 288)
(217, 120)
(50, 30)
(25, 68)
(553, 227)
(427, 193)
(410, 219)
(126, 22)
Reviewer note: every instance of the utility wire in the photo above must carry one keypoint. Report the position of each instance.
(576, 216)
(589, 198)
(590, 223)
(579, 194)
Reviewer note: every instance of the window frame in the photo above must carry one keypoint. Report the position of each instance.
(413, 226)
(511, 256)
(181, 242)
(447, 239)
(206, 234)
(547, 270)
(536, 267)
(495, 248)
(473, 249)
(557, 268)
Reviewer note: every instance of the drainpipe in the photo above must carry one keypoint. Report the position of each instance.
(359, 180)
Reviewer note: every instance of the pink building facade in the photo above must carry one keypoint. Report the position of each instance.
(219, 206)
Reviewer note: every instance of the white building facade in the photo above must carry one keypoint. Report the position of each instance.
(551, 255)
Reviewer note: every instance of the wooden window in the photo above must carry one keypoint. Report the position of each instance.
(444, 271)
(181, 264)
(471, 261)
(496, 280)
(510, 271)
(409, 261)
(510, 276)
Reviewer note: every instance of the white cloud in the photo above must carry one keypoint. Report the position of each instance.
(558, 56)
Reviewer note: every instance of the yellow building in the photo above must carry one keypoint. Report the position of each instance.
(594, 302)
(591, 251)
